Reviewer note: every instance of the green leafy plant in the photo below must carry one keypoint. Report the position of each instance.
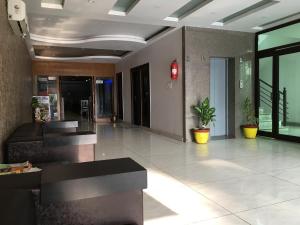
(205, 113)
(249, 113)
(34, 103)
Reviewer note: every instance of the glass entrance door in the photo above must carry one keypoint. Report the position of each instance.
(279, 92)
(266, 94)
(289, 95)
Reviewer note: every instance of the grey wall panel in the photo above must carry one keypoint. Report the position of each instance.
(15, 79)
(201, 44)
(166, 99)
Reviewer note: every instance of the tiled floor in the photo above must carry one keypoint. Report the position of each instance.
(226, 182)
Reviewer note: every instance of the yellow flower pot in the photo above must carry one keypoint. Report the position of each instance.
(250, 131)
(201, 136)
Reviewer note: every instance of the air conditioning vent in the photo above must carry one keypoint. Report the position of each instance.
(17, 17)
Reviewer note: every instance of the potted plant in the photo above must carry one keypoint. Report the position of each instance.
(35, 108)
(250, 127)
(206, 114)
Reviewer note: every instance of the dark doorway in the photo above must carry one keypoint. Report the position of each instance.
(76, 94)
(140, 86)
(119, 78)
(104, 97)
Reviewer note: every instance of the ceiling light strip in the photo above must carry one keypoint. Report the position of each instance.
(280, 19)
(247, 11)
(187, 9)
(123, 7)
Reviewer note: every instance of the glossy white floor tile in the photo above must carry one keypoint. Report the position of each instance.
(226, 220)
(278, 214)
(226, 182)
(249, 192)
(291, 175)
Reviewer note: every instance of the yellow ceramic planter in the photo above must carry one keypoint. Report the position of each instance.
(250, 132)
(201, 136)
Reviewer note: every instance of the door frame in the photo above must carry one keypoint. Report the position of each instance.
(226, 60)
(131, 82)
(275, 53)
(117, 94)
(103, 119)
(92, 115)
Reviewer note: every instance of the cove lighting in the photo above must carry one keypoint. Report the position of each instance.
(172, 19)
(116, 13)
(219, 24)
(257, 28)
(52, 4)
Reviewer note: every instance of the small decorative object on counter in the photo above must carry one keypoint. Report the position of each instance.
(41, 108)
(15, 168)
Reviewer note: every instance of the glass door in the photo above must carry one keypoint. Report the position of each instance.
(104, 97)
(289, 93)
(266, 94)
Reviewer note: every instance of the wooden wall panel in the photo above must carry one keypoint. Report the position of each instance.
(52, 68)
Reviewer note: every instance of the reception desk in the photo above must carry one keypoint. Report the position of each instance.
(108, 192)
(50, 142)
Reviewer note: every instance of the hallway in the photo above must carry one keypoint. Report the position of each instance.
(226, 182)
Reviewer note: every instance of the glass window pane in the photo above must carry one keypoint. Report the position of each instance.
(47, 86)
(265, 90)
(289, 105)
(283, 36)
(104, 97)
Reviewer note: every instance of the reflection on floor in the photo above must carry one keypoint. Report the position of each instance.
(226, 182)
(291, 130)
(287, 130)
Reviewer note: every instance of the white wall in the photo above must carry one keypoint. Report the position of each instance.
(166, 102)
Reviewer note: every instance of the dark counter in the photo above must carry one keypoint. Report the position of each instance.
(64, 126)
(85, 180)
(37, 143)
(107, 192)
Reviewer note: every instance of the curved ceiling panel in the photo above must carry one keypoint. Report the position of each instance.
(119, 42)
(111, 59)
(70, 41)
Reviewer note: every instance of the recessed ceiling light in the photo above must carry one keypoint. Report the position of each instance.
(273, 22)
(188, 9)
(257, 28)
(53, 4)
(123, 7)
(91, 1)
(219, 24)
(248, 11)
(173, 19)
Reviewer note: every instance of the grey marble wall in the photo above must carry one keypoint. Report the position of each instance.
(200, 46)
(15, 79)
(166, 100)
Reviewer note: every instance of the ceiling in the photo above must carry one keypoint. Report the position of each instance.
(84, 28)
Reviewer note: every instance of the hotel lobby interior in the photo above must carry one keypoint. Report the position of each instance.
(138, 112)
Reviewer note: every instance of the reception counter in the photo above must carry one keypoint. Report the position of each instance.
(107, 192)
(50, 142)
